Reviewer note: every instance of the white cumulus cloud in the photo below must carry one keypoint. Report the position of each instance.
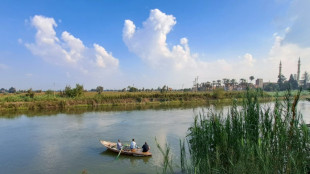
(67, 50)
(149, 42)
(248, 60)
(177, 62)
(103, 58)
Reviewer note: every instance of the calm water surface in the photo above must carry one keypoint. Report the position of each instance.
(69, 143)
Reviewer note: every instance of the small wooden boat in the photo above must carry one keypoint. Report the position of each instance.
(136, 152)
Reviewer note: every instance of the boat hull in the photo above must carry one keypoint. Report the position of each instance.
(136, 152)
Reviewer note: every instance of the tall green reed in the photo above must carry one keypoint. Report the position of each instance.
(249, 139)
(167, 162)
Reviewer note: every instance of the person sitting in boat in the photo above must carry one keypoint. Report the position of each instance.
(133, 145)
(119, 145)
(145, 147)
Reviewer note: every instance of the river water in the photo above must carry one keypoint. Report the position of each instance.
(69, 142)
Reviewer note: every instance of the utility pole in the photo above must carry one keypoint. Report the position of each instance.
(54, 89)
(197, 84)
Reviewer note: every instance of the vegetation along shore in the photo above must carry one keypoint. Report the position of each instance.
(77, 98)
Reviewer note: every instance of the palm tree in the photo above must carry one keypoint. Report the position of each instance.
(242, 83)
(233, 82)
(208, 85)
(226, 83)
(219, 83)
(251, 78)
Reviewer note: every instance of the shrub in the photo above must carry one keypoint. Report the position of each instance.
(132, 89)
(99, 89)
(30, 93)
(49, 92)
(218, 93)
(12, 90)
(75, 92)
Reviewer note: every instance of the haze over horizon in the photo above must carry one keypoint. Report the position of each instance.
(51, 44)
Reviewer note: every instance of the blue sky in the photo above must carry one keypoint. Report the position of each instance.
(51, 44)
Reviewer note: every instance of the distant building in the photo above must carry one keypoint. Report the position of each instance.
(259, 83)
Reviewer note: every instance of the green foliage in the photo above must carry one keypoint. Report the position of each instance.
(99, 89)
(249, 140)
(79, 89)
(30, 93)
(75, 92)
(187, 89)
(49, 92)
(167, 161)
(271, 87)
(281, 79)
(132, 89)
(12, 90)
(139, 100)
(60, 100)
(119, 97)
(292, 82)
(306, 78)
(218, 93)
(251, 78)
(164, 89)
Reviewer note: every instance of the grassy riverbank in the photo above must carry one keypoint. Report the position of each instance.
(46, 101)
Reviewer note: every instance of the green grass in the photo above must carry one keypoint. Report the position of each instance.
(39, 101)
(93, 99)
(250, 139)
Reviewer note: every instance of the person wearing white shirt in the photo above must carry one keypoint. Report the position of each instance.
(133, 144)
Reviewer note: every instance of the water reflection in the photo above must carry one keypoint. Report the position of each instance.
(81, 110)
(216, 104)
(133, 159)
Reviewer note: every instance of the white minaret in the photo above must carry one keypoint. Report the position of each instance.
(298, 70)
(280, 69)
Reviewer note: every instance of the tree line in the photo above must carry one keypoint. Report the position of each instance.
(226, 84)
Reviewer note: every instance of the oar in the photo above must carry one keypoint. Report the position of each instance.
(119, 153)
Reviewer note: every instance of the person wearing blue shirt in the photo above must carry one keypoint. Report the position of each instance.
(119, 145)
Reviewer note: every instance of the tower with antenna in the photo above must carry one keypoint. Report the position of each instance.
(195, 84)
(298, 70)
